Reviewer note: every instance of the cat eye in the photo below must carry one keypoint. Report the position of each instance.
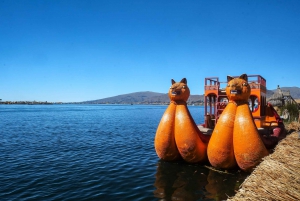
(245, 84)
(183, 87)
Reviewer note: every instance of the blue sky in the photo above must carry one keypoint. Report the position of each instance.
(73, 50)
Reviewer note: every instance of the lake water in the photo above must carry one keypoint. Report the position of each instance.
(97, 152)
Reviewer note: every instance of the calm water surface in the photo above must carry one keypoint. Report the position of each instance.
(97, 152)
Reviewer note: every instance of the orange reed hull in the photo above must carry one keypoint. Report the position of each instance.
(248, 146)
(164, 142)
(189, 144)
(220, 147)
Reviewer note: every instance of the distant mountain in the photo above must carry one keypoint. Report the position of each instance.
(137, 97)
(148, 97)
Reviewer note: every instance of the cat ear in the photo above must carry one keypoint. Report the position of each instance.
(184, 81)
(244, 77)
(229, 78)
(173, 81)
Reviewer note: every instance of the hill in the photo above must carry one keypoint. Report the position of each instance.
(137, 97)
(148, 97)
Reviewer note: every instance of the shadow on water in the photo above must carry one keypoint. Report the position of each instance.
(188, 182)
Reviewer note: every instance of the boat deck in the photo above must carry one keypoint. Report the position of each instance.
(208, 131)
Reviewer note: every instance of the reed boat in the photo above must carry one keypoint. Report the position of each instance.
(240, 126)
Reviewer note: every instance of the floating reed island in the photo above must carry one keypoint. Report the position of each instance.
(278, 175)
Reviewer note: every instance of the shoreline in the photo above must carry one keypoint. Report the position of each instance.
(277, 177)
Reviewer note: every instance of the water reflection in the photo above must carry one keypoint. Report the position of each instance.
(188, 182)
(221, 185)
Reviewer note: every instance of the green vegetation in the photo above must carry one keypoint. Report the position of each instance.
(293, 111)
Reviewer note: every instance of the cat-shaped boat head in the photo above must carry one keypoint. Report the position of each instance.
(238, 89)
(179, 91)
